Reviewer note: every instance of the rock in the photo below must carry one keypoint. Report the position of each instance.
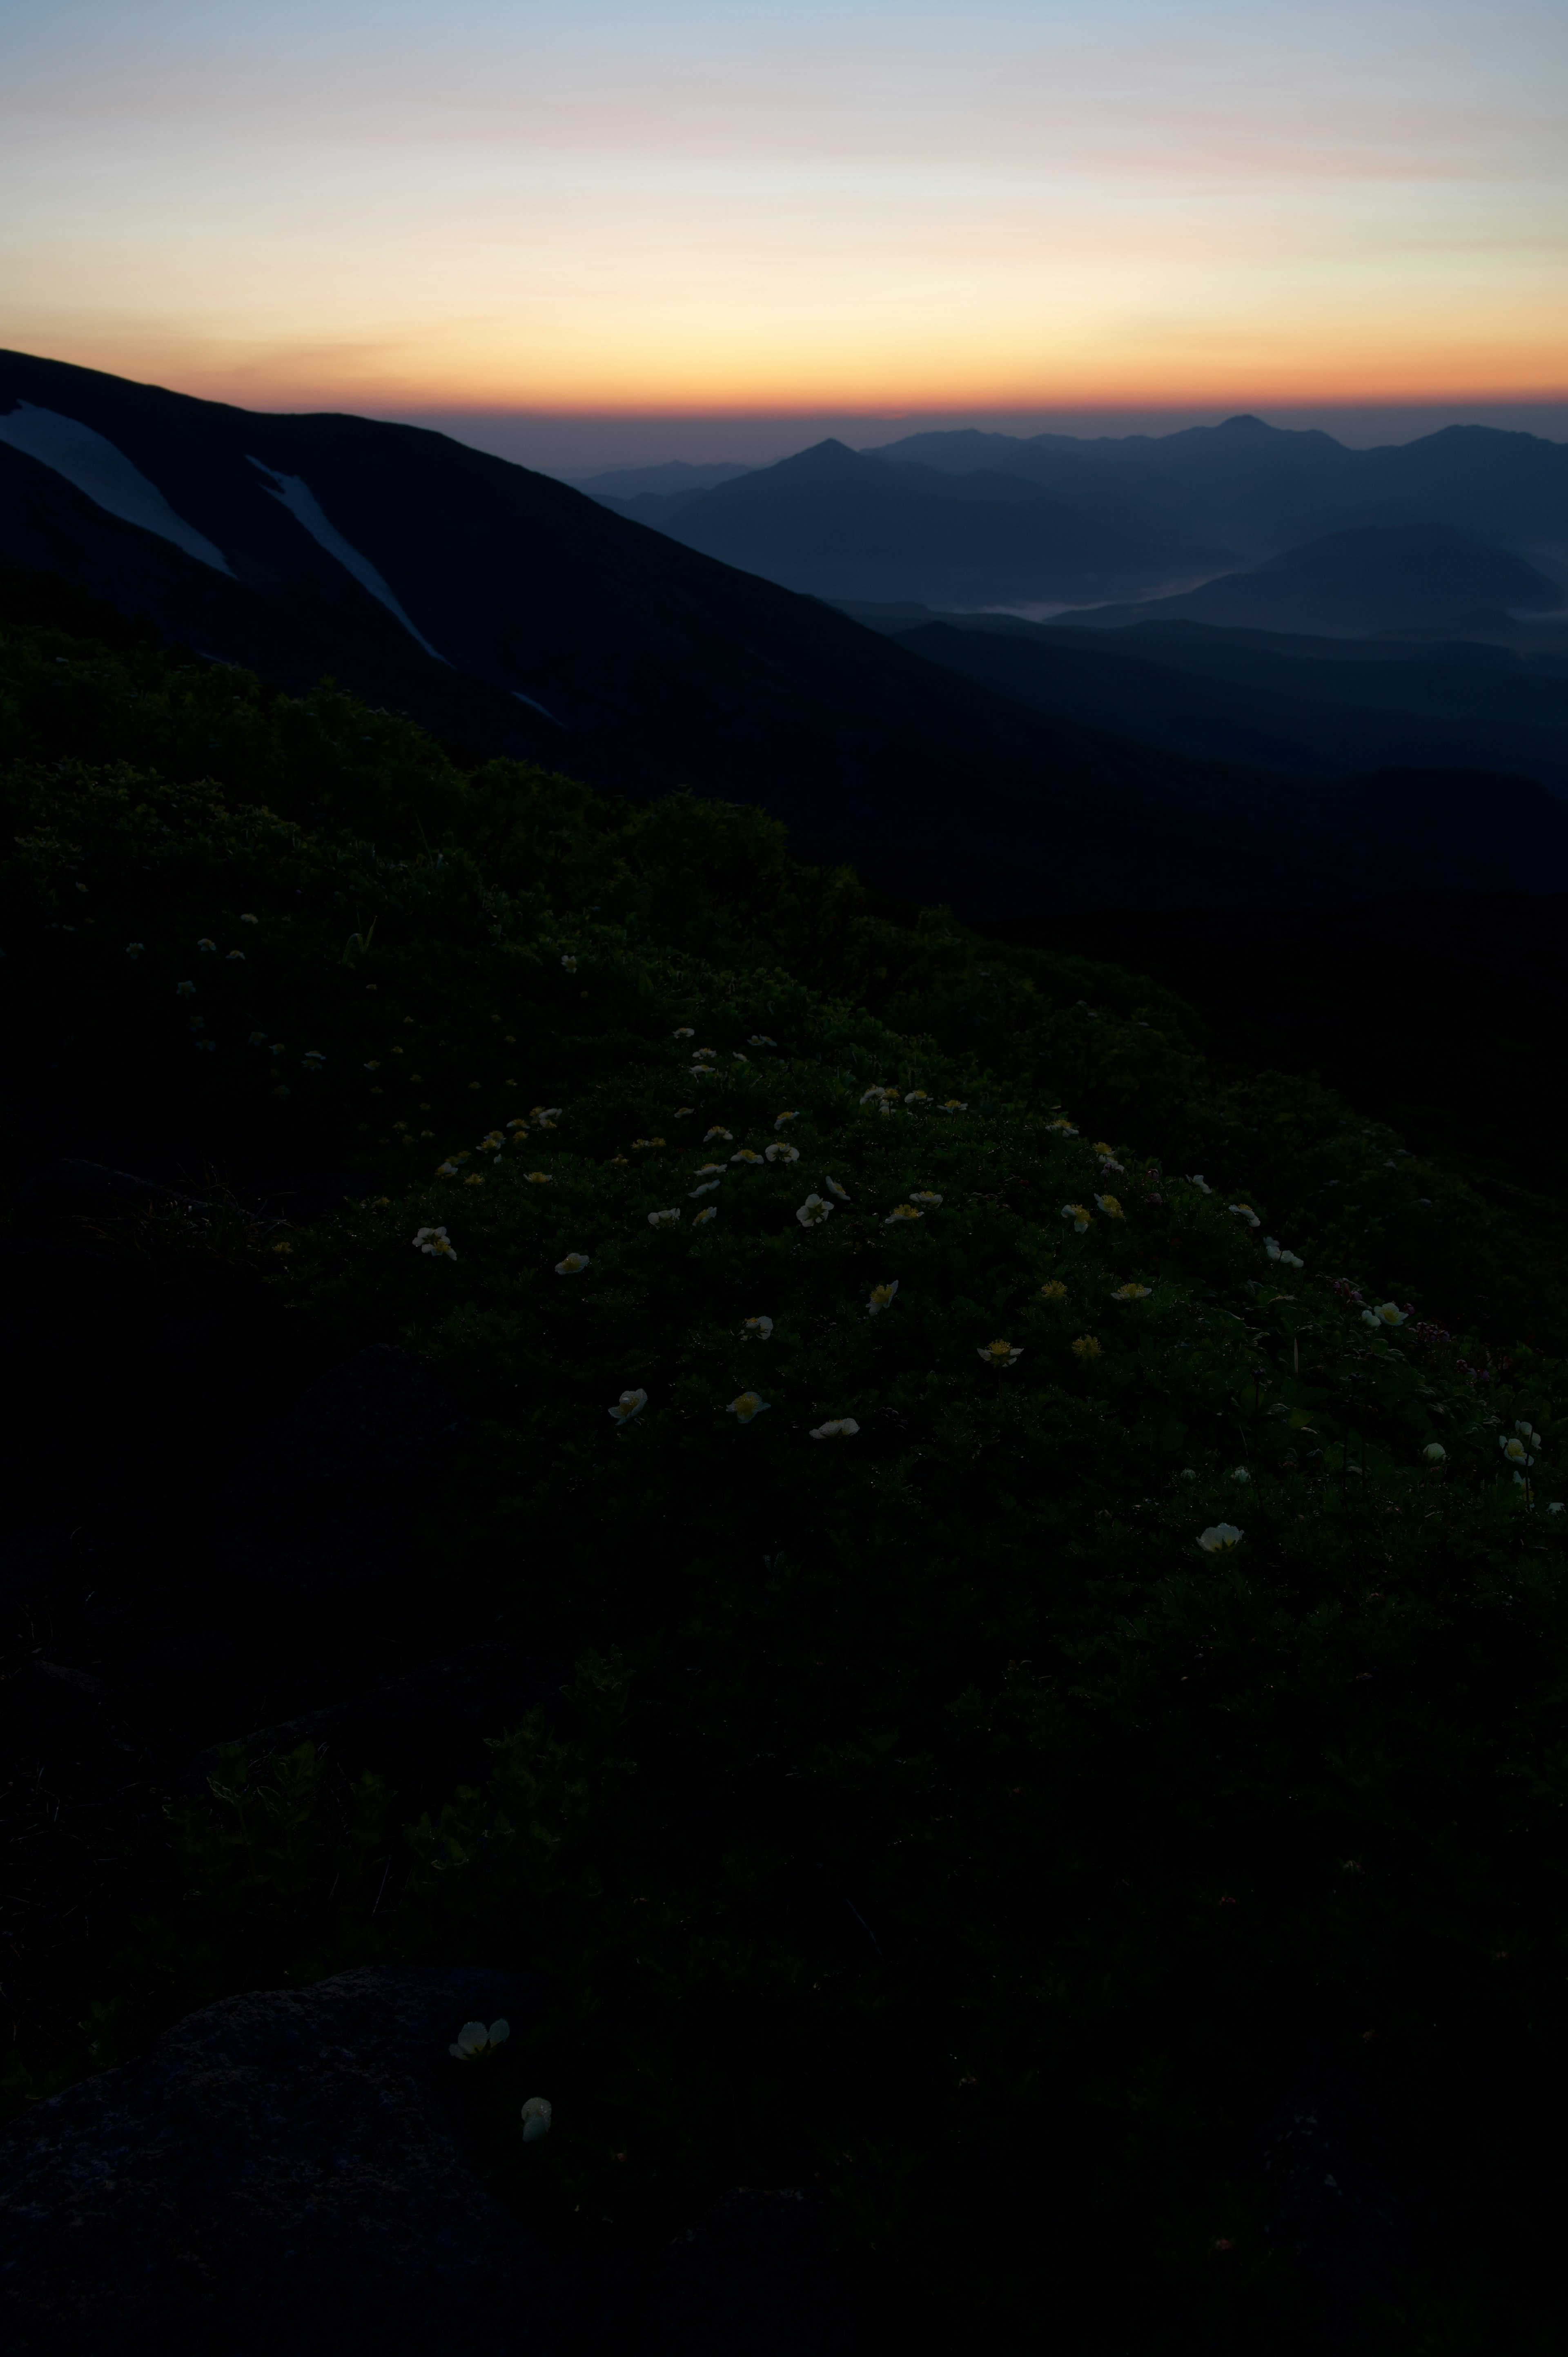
(321, 1505)
(283, 2172)
(753, 2279)
(425, 1733)
(1346, 2209)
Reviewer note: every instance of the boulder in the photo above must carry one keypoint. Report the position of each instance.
(283, 2171)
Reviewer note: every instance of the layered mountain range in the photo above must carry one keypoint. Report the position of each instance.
(973, 518)
(513, 614)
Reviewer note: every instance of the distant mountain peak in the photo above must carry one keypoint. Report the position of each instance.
(1246, 419)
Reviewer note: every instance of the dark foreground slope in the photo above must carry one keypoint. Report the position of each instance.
(1107, 1942)
(509, 613)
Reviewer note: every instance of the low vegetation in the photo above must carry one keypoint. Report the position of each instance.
(1062, 1602)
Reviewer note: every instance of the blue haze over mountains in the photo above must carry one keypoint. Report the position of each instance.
(1295, 672)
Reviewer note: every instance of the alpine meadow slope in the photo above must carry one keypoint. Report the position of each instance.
(1042, 1564)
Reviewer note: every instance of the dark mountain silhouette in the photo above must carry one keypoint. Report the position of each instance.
(1412, 577)
(838, 524)
(1258, 488)
(1310, 708)
(511, 614)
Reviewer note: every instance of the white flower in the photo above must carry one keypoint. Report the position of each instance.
(1219, 1538)
(702, 1218)
(1516, 1452)
(1077, 1215)
(1189, 1473)
(474, 2040)
(704, 1055)
(1111, 1207)
(236, 957)
(1064, 1128)
(706, 1189)
(924, 1195)
(314, 1058)
(834, 1189)
(518, 1127)
(1434, 1453)
(783, 1117)
(882, 1297)
(573, 1266)
(738, 1057)
(135, 948)
(570, 963)
(374, 1065)
(840, 1428)
(814, 1211)
(250, 921)
(747, 1405)
(537, 2116)
(1244, 1212)
(1200, 1182)
(1387, 1313)
(761, 1327)
(999, 1354)
(682, 1112)
(205, 944)
(1527, 1431)
(446, 1169)
(436, 1242)
(727, 1134)
(778, 1152)
(954, 1105)
(539, 1179)
(916, 1096)
(629, 1403)
(543, 1114)
(761, 1039)
(709, 1170)
(1555, 1507)
(874, 1095)
(685, 1031)
(1131, 1293)
(1241, 1474)
(185, 990)
(663, 1219)
(745, 1155)
(258, 1040)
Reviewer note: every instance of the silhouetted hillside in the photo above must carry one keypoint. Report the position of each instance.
(841, 525)
(1258, 487)
(1315, 707)
(1410, 577)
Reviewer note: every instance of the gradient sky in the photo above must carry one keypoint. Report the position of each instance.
(846, 205)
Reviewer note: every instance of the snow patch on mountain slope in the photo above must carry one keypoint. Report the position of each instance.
(106, 475)
(294, 493)
(537, 706)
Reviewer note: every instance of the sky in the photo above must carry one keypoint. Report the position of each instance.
(644, 226)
